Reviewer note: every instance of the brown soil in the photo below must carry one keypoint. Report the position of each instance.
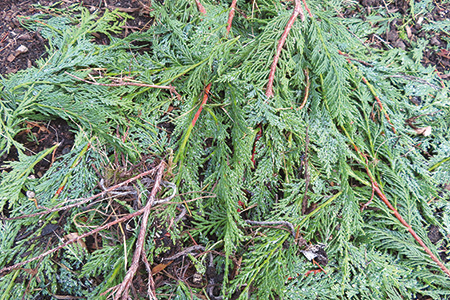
(435, 54)
(13, 35)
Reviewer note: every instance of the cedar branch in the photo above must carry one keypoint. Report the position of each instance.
(404, 223)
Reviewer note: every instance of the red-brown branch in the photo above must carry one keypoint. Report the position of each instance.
(308, 85)
(372, 90)
(297, 11)
(200, 7)
(231, 15)
(380, 104)
(307, 8)
(205, 98)
(408, 227)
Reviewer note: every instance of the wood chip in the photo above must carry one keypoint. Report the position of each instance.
(11, 57)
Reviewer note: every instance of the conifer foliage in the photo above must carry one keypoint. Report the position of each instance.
(292, 147)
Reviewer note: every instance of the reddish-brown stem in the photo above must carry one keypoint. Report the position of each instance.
(354, 59)
(380, 104)
(376, 188)
(297, 11)
(372, 90)
(370, 200)
(307, 8)
(258, 136)
(200, 7)
(408, 227)
(205, 98)
(231, 15)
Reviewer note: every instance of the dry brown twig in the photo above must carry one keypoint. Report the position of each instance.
(83, 201)
(121, 291)
(273, 223)
(307, 86)
(126, 83)
(71, 241)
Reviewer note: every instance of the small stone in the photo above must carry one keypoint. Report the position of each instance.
(419, 20)
(434, 41)
(21, 49)
(25, 36)
(400, 44)
(197, 278)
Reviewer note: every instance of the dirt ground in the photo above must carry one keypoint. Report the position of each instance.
(436, 52)
(13, 37)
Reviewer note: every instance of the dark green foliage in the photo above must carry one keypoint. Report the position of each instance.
(371, 255)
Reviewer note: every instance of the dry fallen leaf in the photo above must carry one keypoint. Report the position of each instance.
(74, 235)
(425, 131)
(160, 267)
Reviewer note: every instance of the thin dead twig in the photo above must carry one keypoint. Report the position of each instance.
(122, 289)
(185, 252)
(151, 289)
(308, 85)
(86, 200)
(265, 223)
(163, 87)
(71, 241)
(417, 79)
